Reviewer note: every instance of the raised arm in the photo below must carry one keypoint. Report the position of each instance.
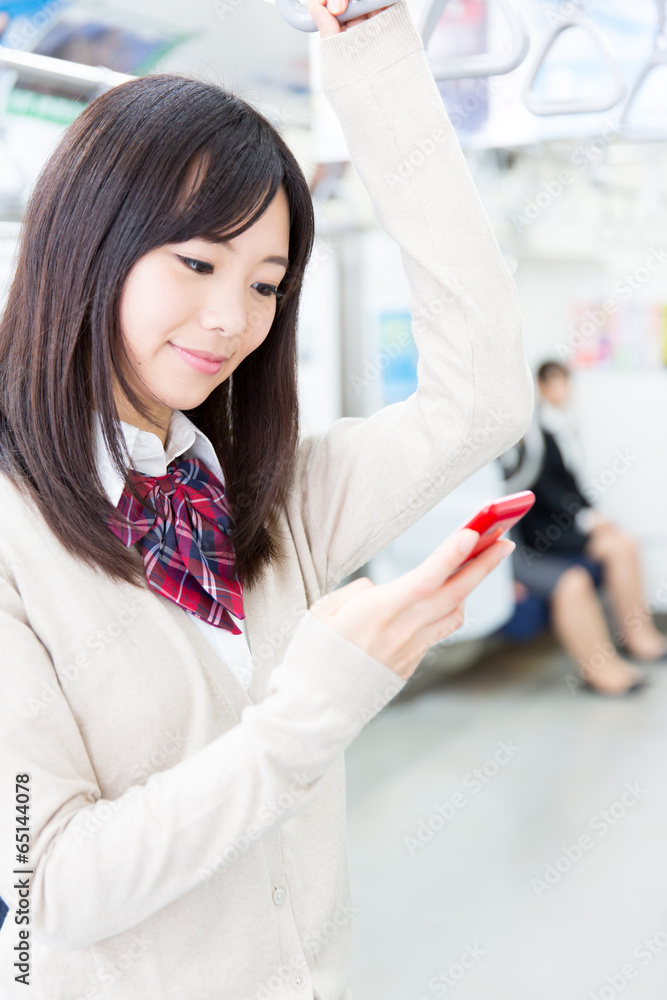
(365, 480)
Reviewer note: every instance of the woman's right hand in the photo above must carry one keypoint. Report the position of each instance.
(397, 622)
(325, 19)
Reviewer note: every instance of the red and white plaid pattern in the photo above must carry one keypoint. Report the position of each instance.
(186, 550)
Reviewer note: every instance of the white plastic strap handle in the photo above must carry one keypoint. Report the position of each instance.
(657, 58)
(296, 13)
(577, 19)
(485, 63)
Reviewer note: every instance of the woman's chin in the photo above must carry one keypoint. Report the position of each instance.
(185, 399)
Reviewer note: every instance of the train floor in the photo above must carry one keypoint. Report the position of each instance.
(508, 837)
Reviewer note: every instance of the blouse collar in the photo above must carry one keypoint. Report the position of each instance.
(148, 456)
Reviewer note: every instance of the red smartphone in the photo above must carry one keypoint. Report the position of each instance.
(496, 518)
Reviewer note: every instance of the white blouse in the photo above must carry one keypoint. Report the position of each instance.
(149, 457)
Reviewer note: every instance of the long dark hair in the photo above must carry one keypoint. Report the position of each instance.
(114, 189)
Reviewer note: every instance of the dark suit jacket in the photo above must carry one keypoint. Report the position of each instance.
(558, 498)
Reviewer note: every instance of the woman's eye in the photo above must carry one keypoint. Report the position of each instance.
(267, 290)
(202, 267)
(198, 266)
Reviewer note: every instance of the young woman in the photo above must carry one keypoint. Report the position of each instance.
(173, 820)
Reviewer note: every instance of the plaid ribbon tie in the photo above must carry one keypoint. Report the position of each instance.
(186, 550)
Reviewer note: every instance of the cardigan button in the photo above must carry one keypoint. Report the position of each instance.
(299, 980)
(279, 895)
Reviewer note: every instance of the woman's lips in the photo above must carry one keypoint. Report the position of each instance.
(198, 363)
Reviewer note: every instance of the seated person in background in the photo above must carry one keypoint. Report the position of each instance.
(566, 550)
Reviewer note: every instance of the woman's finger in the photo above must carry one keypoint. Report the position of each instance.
(326, 23)
(456, 589)
(424, 580)
(326, 12)
(444, 627)
(424, 638)
(363, 17)
(323, 16)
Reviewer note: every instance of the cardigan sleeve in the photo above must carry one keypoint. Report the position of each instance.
(162, 838)
(365, 480)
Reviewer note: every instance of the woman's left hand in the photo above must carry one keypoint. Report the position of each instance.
(327, 23)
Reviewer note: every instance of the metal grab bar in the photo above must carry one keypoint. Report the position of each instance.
(657, 58)
(296, 13)
(485, 63)
(577, 19)
(76, 77)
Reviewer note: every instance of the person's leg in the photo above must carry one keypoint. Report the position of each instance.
(579, 623)
(622, 576)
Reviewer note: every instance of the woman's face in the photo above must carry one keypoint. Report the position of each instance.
(217, 298)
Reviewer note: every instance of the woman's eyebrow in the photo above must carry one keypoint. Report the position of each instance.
(276, 259)
(271, 259)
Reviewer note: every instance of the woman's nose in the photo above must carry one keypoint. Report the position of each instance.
(229, 318)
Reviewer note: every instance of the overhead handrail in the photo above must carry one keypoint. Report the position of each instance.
(296, 13)
(75, 77)
(484, 63)
(7, 81)
(430, 18)
(657, 58)
(458, 67)
(576, 19)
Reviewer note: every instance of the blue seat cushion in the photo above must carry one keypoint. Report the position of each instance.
(529, 619)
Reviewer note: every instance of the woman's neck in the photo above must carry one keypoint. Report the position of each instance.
(130, 416)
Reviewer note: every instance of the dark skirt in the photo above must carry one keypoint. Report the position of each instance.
(541, 571)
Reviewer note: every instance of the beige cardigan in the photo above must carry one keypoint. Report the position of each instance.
(188, 840)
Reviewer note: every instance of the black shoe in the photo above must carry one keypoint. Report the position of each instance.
(658, 659)
(637, 685)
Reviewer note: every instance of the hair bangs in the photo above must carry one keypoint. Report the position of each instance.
(221, 197)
